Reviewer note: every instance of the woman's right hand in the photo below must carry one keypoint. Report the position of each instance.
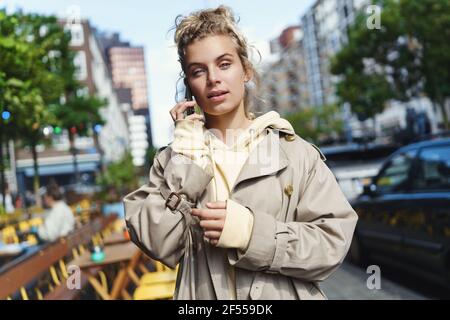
(177, 112)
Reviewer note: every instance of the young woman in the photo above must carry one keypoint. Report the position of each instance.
(247, 208)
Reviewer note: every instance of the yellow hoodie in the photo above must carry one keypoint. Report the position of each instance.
(224, 162)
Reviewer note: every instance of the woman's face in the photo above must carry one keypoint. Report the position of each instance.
(215, 74)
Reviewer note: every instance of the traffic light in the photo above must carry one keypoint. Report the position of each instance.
(6, 115)
(98, 128)
(47, 131)
(138, 137)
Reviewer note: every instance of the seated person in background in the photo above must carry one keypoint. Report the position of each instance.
(9, 206)
(60, 221)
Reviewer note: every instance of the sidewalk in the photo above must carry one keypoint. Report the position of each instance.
(349, 283)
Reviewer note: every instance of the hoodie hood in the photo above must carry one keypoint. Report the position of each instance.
(192, 136)
(251, 134)
(223, 161)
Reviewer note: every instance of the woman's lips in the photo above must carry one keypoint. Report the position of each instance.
(219, 98)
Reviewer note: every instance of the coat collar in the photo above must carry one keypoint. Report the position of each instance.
(267, 158)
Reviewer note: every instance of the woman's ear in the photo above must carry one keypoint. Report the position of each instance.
(248, 75)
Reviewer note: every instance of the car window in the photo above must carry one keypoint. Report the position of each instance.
(433, 170)
(394, 177)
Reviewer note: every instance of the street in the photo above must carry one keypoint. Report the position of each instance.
(349, 282)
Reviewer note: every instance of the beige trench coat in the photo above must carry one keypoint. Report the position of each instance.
(303, 224)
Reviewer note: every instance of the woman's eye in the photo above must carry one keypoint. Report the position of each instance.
(197, 72)
(225, 65)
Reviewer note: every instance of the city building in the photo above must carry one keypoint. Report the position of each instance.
(126, 65)
(283, 83)
(300, 75)
(92, 70)
(325, 27)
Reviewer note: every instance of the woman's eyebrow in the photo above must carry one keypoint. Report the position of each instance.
(217, 59)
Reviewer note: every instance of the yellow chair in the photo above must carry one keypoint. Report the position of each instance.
(35, 222)
(36, 210)
(24, 226)
(85, 204)
(157, 285)
(162, 274)
(156, 291)
(85, 217)
(117, 226)
(9, 235)
(32, 240)
(158, 277)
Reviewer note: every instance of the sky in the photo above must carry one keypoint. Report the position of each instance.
(147, 23)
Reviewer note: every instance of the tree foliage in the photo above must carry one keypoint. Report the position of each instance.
(409, 56)
(38, 85)
(119, 176)
(318, 123)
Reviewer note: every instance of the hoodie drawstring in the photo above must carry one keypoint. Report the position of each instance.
(211, 155)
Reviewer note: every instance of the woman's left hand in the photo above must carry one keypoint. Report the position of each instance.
(212, 220)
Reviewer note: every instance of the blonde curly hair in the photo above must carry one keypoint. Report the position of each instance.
(210, 22)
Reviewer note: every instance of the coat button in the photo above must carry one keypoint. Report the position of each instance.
(288, 190)
(289, 137)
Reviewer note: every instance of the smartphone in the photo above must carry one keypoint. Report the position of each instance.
(188, 97)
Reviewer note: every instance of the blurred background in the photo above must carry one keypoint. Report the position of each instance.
(85, 90)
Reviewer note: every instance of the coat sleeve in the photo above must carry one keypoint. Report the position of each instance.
(159, 231)
(310, 248)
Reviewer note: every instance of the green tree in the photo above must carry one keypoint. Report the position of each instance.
(38, 83)
(119, 178)
(79, 114)
(28, 57)
(428, 24)
(316, 124)
(402, 60)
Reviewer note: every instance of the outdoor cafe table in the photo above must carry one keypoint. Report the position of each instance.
(10, 250)
(124, 254)
(115, 238)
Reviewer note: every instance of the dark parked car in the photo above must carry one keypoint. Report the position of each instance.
(404, 213)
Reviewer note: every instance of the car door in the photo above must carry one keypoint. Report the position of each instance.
(383, 210)
(427, 230)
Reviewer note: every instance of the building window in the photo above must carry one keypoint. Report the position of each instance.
(77, 35)
(83, 92)
(80, 65)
